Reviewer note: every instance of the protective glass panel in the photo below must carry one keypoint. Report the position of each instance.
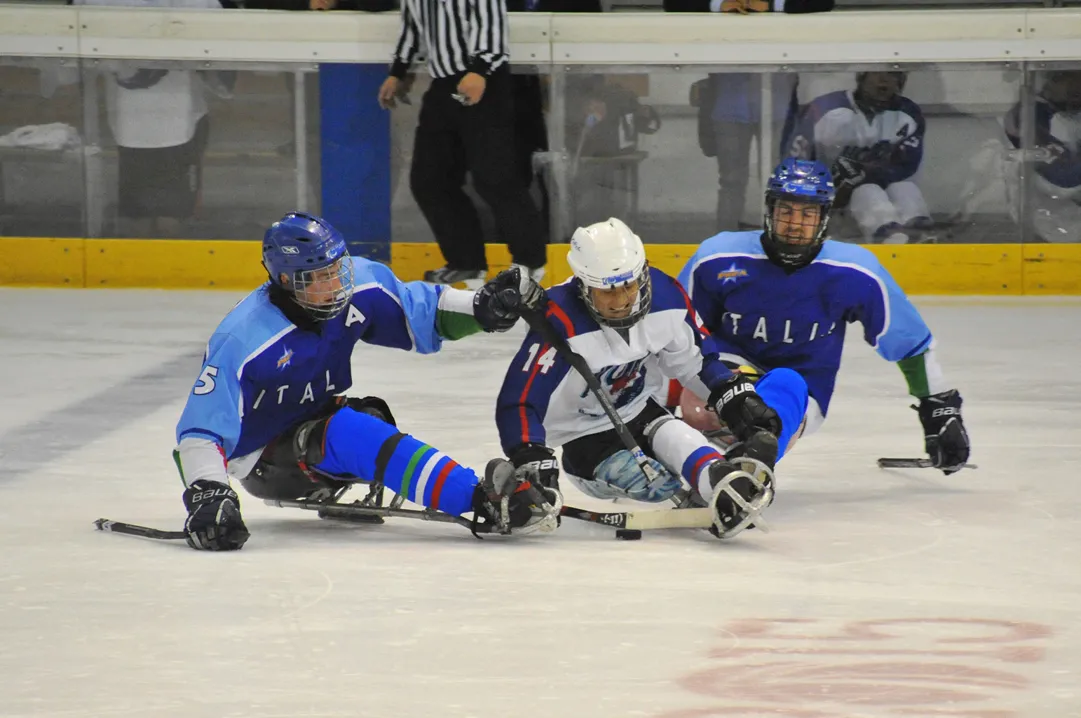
(185, 151)
(919, 154)
(41, 150)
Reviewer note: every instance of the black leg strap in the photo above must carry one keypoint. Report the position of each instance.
(386, 452)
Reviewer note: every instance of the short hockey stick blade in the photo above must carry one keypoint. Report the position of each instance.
(119, 527)
(694, 518)
(887, 463)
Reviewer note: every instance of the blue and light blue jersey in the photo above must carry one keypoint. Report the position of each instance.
(757, 311)
(262, 374)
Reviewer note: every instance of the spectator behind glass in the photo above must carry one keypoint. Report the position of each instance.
(729, 118)
(871, 137)
(530, 130)
(158, 118)
(730, 112)
(1055, 201)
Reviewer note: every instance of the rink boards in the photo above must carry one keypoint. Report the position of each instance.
(1009, 269)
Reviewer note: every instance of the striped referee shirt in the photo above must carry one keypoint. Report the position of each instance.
(461, 36)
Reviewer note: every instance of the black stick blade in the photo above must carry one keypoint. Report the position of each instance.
(119, 527)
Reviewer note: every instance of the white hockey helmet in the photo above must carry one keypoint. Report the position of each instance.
(606, 256)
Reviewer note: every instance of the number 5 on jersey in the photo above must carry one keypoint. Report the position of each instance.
(205, 385)
(545, 362)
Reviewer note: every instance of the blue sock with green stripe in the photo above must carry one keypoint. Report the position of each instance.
(365, 446)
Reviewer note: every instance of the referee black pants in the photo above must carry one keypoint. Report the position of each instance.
(452, 139)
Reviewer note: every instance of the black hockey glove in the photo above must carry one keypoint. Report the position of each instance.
(214, 522)
(537, 463)
(848, 171)
(944, 434)
(740, 407)
(499, 303)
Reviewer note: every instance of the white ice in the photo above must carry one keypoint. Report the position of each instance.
(877, 594)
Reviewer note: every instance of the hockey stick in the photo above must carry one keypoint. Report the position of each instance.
(913, 464)
(352, 512)
(360, 513)
(119, 527)
(691, 518)
(539, 323)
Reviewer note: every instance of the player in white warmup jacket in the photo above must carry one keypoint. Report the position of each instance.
(871, 138)
(1055, 203)
(633, 325)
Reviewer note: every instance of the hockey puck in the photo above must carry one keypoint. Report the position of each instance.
(628, 534)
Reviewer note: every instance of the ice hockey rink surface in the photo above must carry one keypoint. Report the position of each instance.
(878, 594)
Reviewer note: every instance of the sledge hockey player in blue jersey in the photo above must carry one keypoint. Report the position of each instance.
(782, 298)
(632, 324)
(267, 407)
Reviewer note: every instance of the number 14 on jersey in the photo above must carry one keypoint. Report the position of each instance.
(546, 361)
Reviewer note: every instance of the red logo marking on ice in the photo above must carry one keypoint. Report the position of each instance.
(906, 667)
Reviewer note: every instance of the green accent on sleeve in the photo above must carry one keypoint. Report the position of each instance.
(176, 459)
(915, 371)
(455, 325)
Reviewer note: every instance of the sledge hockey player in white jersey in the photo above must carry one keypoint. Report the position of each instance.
(783, 297)
(872, 139)
(267, 407)
(631, 322)
(1055, 204)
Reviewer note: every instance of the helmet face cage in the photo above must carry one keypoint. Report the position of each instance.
(324, 292)
(609, 256)
(790, 251)
(308, 258)
(641, 305)
(803, 182)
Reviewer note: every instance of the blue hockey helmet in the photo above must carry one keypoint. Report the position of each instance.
(307, 257)
(794, 234)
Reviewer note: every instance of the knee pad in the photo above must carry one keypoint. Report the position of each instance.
(308, 442)
(281, 483)
(278, 476)
(372, 405)
(309, 436)
(620, 476)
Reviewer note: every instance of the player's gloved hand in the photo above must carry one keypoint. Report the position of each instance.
(537, 463)
(509, 500)
(944, 434)
(499, 303)
(848, 172)
(742, 409)
(214, 522)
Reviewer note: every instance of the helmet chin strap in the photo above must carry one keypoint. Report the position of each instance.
(789, 263)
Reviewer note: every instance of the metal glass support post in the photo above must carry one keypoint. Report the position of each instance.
(300, 139)
(765, 139)
(559, 218)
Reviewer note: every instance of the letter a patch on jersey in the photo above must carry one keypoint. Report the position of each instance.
(354, 315)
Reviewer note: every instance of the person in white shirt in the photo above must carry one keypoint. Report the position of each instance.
(158, 118)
